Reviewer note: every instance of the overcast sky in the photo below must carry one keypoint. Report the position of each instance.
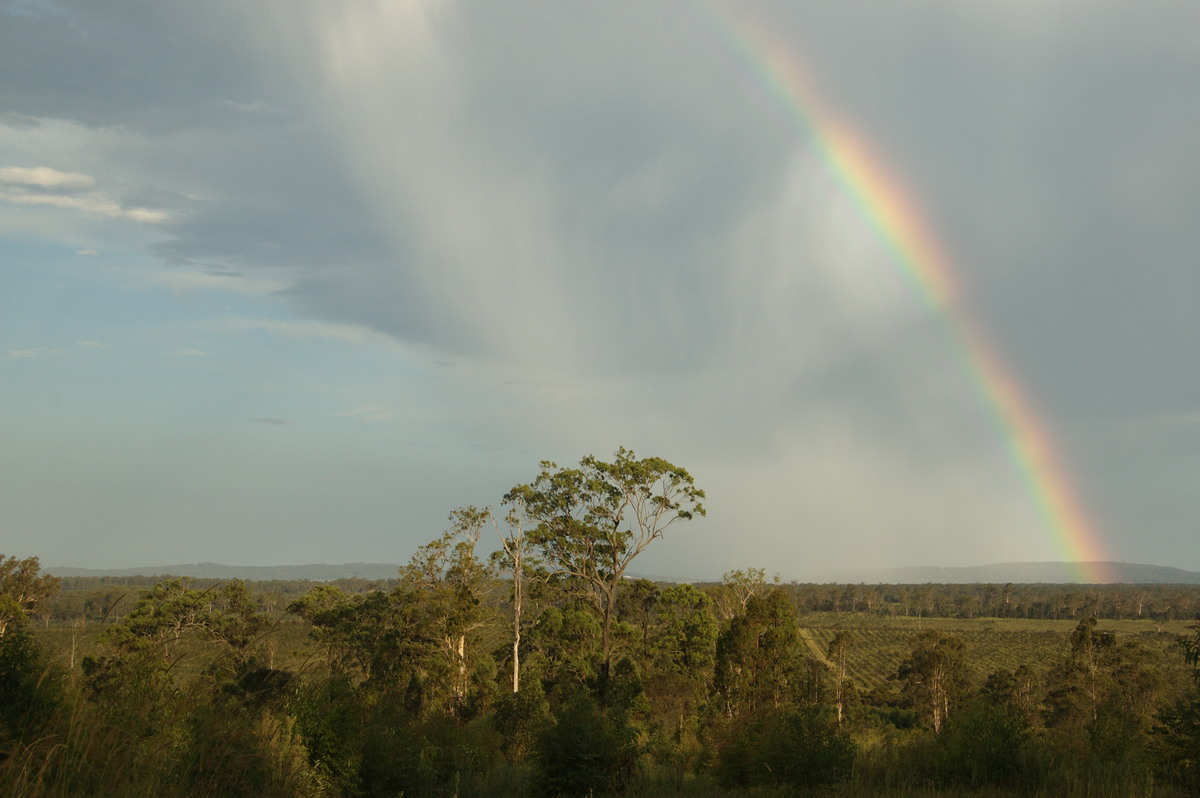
(287, 281)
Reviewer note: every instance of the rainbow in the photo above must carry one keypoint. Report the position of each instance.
(882, 203)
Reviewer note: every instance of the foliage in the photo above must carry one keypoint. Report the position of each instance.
(759, 657)
(934, 677)
(585, 751)
(594, 520)
(984, 743)
(29, 688)
(520, 719)
(1178, 732)
(22, 589)
(802, 748)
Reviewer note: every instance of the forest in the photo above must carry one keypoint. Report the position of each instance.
(515, 654)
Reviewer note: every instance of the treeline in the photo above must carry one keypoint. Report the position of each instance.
(85, 599)
(544, 670)
(93, 598)
(1030, 601)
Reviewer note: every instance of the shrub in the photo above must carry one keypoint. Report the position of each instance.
(803, 748)
(584, 752)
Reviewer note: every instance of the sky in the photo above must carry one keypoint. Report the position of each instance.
(286, 282)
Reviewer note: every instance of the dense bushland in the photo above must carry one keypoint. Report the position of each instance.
(199, 691)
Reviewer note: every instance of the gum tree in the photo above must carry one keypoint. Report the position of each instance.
(935, 676)
(591, 522)
(22, 588)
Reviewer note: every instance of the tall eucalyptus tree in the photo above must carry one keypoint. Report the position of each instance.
(591, 522)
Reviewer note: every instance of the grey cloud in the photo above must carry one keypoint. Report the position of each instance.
(607, 192)
(139, 65)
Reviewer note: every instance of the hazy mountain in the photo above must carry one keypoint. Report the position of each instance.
(1057, 573)
(254, 573)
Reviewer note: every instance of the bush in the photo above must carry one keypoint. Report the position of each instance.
(982, 744)
(519, 719)
(29, 690)
(803, 748)
(584, 752)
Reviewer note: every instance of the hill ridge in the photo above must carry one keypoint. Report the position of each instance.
(317, 572)
(1031, 572)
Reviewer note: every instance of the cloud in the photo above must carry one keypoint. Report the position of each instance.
(354, 335)
(43, 185)
(95, 204)
(44, 177)
(24, 353)
(181, 281)
(621, 234)
(190, 352)
(273, 422)
(93, 345)
(86, 252)
(19, 121)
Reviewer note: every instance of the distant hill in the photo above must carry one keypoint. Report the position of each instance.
(1054, 573)
(252, 573)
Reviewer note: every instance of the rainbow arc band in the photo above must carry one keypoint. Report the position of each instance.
(780, 73)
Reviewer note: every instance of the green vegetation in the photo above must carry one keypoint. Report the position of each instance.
(545, 670)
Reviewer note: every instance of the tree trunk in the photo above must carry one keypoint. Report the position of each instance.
(517, 597)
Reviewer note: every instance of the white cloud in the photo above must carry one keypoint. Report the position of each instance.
(44, 177)
(87, 252)
(93, 345)
(35, 352)
(190, 353)
(92, 203)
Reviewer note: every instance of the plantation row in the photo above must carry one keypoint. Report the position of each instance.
(876, 651)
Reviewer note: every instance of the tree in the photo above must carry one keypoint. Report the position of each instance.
(594, 520)
(737, 587)
(152, 634)
(935, 676)
(447, 580)
(685, 640)
(759, 657)
(22, 588)
(1088, 649)
(1179, 733)
(1081, 680)
(514, 557)
(682, 652)
(801, 748)
(637, 611)
(836, 653)
(585, 752)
